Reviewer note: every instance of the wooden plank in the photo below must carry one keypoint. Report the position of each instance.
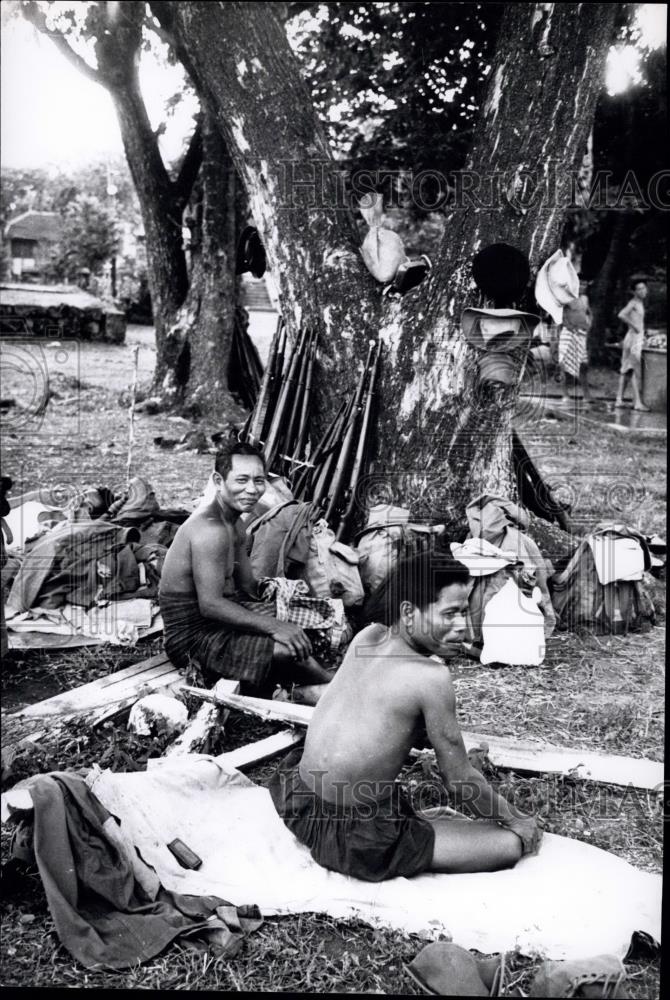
(207, 716)
(520, 755)
(587, 765)
(71, 704)
(256, 753)
(156, 671)
(134, 668)
(169, 682)
(262, 708)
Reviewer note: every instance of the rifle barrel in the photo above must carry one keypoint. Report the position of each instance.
(277, 369)
(260, 409)
(340, 469)
(302, 423)
(271, 445)
(318, 452)
(291, 427)
(360, 449)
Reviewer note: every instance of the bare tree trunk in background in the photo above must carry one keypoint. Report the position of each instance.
(445, 439)
(204, 321)
(605, 286)
(199, 340)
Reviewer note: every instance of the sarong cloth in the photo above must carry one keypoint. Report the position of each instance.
(217, 648)
(373, 841)
(631, 355)
(572, 350)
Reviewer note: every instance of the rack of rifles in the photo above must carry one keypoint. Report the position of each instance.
(327, 472)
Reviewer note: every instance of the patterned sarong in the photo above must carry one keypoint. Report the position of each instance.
(572, 352)
(219, 649)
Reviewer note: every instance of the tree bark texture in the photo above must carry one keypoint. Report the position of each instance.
(193, 335)
(198, 342)
(117, 49)
(441, 436)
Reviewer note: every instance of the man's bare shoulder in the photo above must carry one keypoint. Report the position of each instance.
(433, 682)
(204, 530)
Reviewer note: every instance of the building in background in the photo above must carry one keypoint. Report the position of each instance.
(30, 239)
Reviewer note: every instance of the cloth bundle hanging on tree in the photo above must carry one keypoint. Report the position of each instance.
(382, 249)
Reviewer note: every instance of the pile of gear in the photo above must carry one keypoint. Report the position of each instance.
(89, 566)
(517, 597)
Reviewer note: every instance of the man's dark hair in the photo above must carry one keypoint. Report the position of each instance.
(224, 456)
(417, 579)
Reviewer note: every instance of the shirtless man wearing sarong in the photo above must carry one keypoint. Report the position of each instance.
(341, 797)
(208, 594)
(632, 315)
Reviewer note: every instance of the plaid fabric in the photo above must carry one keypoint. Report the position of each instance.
(295, 605)
(219, 650)
(572, 352)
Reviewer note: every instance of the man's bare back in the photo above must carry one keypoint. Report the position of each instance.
(369, 717)
(386, 690)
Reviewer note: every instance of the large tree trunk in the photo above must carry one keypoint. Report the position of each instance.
(444, 437)
(161, 216)
(199, 340)
(117, 48)
(204, 323)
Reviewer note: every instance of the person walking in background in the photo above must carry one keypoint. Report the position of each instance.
(632, 315)
(573, 356)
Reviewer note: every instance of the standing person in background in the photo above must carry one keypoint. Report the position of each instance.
(632, 315)
(573, 355)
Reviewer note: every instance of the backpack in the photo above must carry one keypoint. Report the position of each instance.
(280, 540)
(388, 535)
(331, 569)
(580, 599)
(286, 541)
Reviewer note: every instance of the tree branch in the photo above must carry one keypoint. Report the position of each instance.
(37, 18)
(190, 165)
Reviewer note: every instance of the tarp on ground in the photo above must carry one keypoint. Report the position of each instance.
(572, 900)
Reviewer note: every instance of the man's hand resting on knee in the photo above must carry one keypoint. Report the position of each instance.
(527, 830)
(293, 638)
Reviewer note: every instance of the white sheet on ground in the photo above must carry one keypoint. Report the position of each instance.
(570, 901)
(119, 622)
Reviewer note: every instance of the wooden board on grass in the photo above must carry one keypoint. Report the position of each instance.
(518, 755)
(256, 753)
(206, 718)
(99, 697)
(588, 765)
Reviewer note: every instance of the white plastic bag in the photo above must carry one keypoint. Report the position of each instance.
(513, 628)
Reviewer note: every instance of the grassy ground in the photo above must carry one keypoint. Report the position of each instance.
(593, 692)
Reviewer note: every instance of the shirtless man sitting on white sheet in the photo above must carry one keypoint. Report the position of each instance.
(341, 797)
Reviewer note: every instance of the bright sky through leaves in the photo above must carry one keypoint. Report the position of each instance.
(52, 114)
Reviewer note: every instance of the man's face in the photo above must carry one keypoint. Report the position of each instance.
(440, 628)
(244, 485)
(641, 290)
